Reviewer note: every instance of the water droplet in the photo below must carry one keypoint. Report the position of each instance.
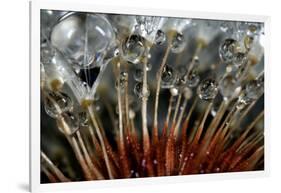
(181, 76)
(248, 42)
(240, 59)
(83, 38)
(178, 43)
(133, 48)
(174, 91)
(243, 101)
(143, 163)
(253, 30)
(227, 50)
(160, 37)
(148, 66)
(132, 114)
(56, 102)
(224, 26)
(98, 106)
(138, 75)
(254, 89)
(168, 78)
(241, 71)
(138, 90)
(155, 162)
(123, 77)
(112, 53)
(72, 121)
(134, 104)
(46, 53)
(193, 78)
(187, 92)
(208, 89)
(146, 24)
(227, 87)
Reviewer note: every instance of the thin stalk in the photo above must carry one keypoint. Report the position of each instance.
(176, 110)
(54, 168)
(182, 109)
(169, 110)
(87, 156)
(107, 163)
(158, 84)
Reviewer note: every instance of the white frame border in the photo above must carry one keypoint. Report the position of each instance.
(34, 140)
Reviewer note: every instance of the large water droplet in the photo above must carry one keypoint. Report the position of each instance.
(160, 37)
(178, 43)
(133, 48)
(138, 90)
(208, 89)
(169, 77)
(227, 50)
(56, 102)
(83, 38)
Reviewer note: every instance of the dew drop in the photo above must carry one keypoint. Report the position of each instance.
(174, 91)
(240, 59)
(187, 92)
(254, 89)
(227, 86)
(138, 90)
(138, 75)
(208, 89)
(253, 30)
(178, 43)
(56, 100)
(46, 54)
(123, 77)
(168, 77)
(193, 78)
(181, 76)
(132, 114)
(83, 39)
(72, 121)
(224, 26)
(143, 163)
(160, 37)
(148, 66)
(243, 101)
(227, 50)
(133, 48)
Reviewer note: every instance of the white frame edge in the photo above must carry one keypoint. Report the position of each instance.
(34, 145)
